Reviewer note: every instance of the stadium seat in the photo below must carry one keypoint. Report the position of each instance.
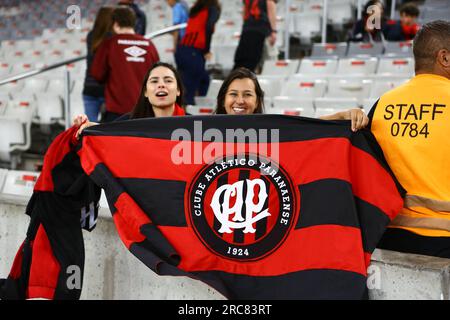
(399, 66)
(21, 67)
(356, 66)
(307, 25)
(304, 87)
(300, 112)
(270, 86)
(12, 133)
(338, 104)
(17, 133)
(432, 14)
(49, 108)
(294, 103)
(283, 68)
(329, 50)
(317, 66)
(58, 86)
(34, 85)
(20, 183)
(367, 49)
(349, 87)
(223, 55)
(199, 110)
(398, 48)
(9, 87)
(211, 96)
(5, 69)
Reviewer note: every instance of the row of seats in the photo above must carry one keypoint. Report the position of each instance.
(340, 67)
(297, 89)
(344, 49)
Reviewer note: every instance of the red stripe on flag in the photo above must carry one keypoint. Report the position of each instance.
(44, 270)
(310, 163)
(318, 247)
(128, 219)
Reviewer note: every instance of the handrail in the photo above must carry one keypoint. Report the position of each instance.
(34, 72)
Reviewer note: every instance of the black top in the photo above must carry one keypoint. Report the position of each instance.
(91, 86)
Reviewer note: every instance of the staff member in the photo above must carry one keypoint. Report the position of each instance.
(412, 126)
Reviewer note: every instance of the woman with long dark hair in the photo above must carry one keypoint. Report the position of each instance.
(161, 96)
(194, 48)
(93, 92)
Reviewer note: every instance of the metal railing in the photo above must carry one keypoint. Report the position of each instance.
(67, 107)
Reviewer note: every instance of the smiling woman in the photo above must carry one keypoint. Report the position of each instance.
(241, 94)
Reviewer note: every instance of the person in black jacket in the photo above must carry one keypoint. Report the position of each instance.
(372, 26)
(93, 91)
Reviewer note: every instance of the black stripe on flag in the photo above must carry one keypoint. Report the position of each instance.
(328, 201)
(161, 200)
(261, 225)
(222, 180)
(319, 284)
(331, 201)
(238, 234)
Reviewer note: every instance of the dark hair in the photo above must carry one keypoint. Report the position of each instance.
(431, 38)
(124, 16)
(410, 9)
(369, 4)
(199, 5)
(143, 108)
(239, 73)
(102, 26)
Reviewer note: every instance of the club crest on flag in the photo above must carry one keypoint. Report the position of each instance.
(242, 207)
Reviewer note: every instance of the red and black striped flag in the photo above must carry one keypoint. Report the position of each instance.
(294, 215)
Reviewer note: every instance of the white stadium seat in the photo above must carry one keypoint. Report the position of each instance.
(304, 87)
(403, 66)
(283, 68)
(357, 66)
(318, 66)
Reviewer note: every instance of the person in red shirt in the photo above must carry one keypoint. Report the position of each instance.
(405, 28)
(259, 24)
(121, 62)
(194, 48)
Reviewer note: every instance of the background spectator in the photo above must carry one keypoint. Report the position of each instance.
(93, 95)
(141, 20)
(194, 49)
(372, 25)
(122, 62)
(405, 28)
(259, 23)
(180, 14)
